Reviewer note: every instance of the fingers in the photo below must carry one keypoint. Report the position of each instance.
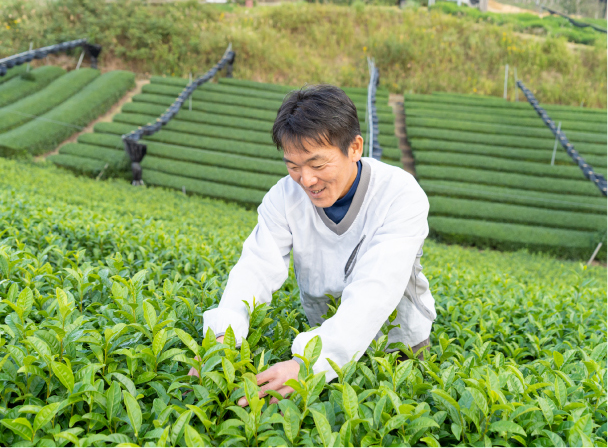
(194, 372)
(283, 391)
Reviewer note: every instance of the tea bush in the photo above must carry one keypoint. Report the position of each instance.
(20, 86)
(103, 287)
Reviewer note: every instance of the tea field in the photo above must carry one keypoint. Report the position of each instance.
(486, 165)
(103, 287)
(41, 109)
(221, 148)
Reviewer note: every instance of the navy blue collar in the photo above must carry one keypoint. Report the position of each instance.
(339, 209)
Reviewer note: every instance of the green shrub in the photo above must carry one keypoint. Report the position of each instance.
(384, 113)
(533, 155)
(505, 236)
(500, 140)
(116, 268)
(491, 211)
(564, 186)
(19, 87)
(499, 129)
(41, 135)
(83, 165)
(219, 159)
(499, 103)
(226, 176)
(196, 141)
(501, 165)
(455, 109)
(12, 72)
(205, 188)
(391, 153)
(41, 102)
(99, 139)
(116, 159)
(554, 201)
(515, 120)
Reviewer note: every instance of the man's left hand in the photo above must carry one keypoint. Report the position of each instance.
(275, 378)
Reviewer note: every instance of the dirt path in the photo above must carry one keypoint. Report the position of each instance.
(107, 117)
(396, 102)
(494, 6)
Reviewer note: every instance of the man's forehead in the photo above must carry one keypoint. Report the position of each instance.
(312, 158)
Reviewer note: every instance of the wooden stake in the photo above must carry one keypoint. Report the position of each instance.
(597, 249)
(506, 79)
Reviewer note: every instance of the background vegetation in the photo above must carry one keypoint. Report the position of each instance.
(416, 51)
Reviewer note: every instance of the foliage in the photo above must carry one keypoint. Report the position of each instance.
(36, 104)
(460, 124)
(415, 50)
(542, 144)
(19, 87)
(12, 72)
(532, 23)
(111, 161)
(508, 213)
(554, 201)
(103, 288)
(37, 137)
(499, 164)
(565, 187)
(561, 157)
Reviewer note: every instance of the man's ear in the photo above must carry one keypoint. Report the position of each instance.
(356, 149)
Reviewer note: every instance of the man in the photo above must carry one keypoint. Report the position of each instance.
(356, 227)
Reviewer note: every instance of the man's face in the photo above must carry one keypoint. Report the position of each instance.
(324, 172)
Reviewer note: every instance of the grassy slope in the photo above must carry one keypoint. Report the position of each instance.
(309, 43)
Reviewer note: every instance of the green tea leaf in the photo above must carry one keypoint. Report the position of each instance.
(323, 427)
(45, 415)
(19, 426)
(193, 438)
(350, 402)
(64, 374)
(133, 411)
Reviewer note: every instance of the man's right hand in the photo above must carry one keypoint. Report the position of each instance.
(193, 371)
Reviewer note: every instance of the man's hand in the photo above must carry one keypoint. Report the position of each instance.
(275, 378)
(193, 371)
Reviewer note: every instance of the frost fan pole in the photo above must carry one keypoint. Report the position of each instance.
(137, 151)
(371, 117)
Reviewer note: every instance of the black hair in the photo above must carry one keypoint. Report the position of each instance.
(321, 114)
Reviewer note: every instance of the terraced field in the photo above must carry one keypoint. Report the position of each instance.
(221, 148)
(42, 109)
(486, 166)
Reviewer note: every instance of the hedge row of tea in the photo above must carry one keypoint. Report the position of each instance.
(221, 148)
(103, 288)
(486, 165)
(41, 108)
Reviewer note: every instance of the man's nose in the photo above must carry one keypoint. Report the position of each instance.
(309, 178)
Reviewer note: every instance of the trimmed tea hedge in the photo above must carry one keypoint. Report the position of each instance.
(491, 211)
(564, 186)
(41, 102)
(500, 140)
(554, 201)
(525, 113)
(44, 134)
(205, 188)
(12, 72)
(458, 124)
(226, 176)
(496, 164)
(503, 119)
(504, 236)
(532, 155)
(116, 159)
(196, 141)
(82, 165)
(20, 87)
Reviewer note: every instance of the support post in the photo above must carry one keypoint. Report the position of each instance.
(597, 249)
(559, 126)
(28, 64)
(506, 79)
(516, 89)
(80, 60)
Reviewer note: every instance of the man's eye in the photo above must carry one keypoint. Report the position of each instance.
(318, 167)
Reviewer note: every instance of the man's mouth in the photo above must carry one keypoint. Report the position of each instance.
(315, 193)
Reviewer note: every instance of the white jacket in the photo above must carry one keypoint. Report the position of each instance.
(371, 259)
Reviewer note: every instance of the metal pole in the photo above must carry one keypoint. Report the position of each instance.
(190, 97)
(582, 103)
(597, 249)
(28, 64)
(516, 90)
(506, 79)
(555, 145)
(80, 60)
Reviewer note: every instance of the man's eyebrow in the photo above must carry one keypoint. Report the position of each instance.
(315, 157)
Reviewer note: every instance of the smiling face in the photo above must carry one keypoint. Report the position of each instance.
(324, 172)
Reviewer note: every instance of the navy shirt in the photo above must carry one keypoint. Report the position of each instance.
(338, 211)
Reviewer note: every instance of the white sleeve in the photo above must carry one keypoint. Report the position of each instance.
(379, 281)
(261, 270)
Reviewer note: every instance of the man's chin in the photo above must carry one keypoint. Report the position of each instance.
(322, 202)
